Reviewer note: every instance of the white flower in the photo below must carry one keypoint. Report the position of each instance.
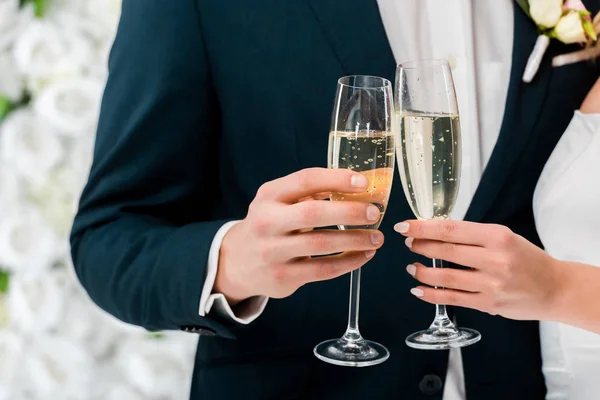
(54, 198)
(570, 29)
(80, 159)
(31, 147)
(11, 82)
(46, 51)
(71, 105)
(9, 190)
(9, 22)
(3, 314)
(27, 243)
(84, 323)
(158, 368)
(58, 368)
(122, 392)
(13, 351)
(545, 13)
(35, 304)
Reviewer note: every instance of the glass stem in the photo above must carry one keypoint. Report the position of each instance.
(352, 333)
(441, 315)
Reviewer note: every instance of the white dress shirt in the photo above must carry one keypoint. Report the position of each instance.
(476, 37)
(565, 201)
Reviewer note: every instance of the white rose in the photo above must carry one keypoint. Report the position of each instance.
(46, 51)
(71, 105)
(13, 350)
(3, 314)
(11, 82)
(545, 13)
(96, 18)
(58, 368)
(80, 159)
(121, 392)
(54, 198)
(570, 29)
(27, 243)
(9, 22)
(9, 190)
(155, 367)
(28, 145)
(35, 304)
(84, 323)
(106, 12)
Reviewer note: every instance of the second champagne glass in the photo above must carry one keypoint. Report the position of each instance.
(361, 140)
(429, 161)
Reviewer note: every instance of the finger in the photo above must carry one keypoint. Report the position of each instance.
(324, 268)
(311, 181)
(453, 231)
(318, 213)
(469, 256)
(316, 196)
(449, 297)
(448, 278)
(323, 242)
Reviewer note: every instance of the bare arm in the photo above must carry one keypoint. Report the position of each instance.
(577, 301)
(509, 275)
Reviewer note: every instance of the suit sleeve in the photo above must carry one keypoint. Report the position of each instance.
(141, 238)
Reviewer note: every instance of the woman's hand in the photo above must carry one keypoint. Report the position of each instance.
(510, 276)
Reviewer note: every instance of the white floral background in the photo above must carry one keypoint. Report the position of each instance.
(54, 342)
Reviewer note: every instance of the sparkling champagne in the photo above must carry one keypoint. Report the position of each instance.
(372, 154)
(429, 154)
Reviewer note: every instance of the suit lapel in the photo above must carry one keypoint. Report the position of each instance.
(356, 35)
(523, 105)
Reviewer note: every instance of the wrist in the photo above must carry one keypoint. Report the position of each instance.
(227, 281)
(562, 285)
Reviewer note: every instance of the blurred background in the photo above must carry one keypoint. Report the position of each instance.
(54, 342)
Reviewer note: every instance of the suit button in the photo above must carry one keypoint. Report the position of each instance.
(431, 384)
(200, 330)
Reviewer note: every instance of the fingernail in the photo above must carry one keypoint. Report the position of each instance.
(402, 227)
(376, 238)
(369, 254)
(409, 242)
(359, 181)
(373, 213)
(411, 269)
(417, 292)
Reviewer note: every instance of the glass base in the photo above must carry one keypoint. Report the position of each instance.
(443, 338)
(360, 353)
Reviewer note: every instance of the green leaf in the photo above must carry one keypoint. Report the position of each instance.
(584, 13)
(39, 7)
(156, 335)
(4, 278)
(6, 106)
(588, 27)
(524, 4)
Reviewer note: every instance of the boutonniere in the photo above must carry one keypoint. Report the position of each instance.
(565, 20)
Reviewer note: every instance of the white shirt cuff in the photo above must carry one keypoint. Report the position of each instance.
(216, 303)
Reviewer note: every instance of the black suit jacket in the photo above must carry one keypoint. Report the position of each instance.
(207, 100)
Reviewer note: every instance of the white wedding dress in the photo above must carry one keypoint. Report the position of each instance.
(567, 213)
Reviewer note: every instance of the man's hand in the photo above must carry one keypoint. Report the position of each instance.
(269, 252)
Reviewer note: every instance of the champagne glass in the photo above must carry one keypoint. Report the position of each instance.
(361, 140)
(429, 160)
